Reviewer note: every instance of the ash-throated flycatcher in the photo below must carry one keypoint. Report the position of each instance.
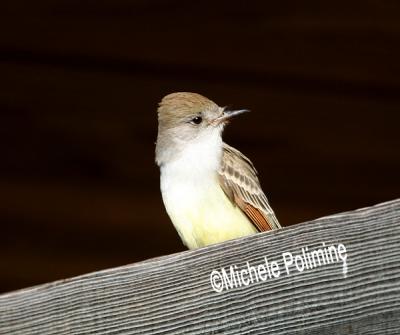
(210, 190)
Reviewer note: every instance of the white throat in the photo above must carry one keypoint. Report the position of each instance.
(198, 161)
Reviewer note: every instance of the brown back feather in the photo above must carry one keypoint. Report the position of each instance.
(238, 179)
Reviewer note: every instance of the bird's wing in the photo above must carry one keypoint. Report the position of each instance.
(238, 178)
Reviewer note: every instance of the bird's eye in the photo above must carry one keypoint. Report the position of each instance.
(196, 120)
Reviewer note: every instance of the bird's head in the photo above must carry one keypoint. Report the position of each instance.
(185, 117)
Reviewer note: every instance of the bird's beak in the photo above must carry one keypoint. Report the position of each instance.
(227, 115)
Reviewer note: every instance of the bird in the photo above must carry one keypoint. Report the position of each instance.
(210, 190)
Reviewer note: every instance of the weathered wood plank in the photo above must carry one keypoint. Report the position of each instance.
(356, 294)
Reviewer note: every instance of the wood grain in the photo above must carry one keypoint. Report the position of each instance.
(172, 294)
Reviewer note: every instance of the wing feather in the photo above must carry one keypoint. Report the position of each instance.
(238, 179)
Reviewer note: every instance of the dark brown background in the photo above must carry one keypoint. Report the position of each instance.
(80, 83)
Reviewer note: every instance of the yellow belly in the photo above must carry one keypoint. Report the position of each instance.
(206, 216)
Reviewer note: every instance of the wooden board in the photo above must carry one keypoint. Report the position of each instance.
(173, 294)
